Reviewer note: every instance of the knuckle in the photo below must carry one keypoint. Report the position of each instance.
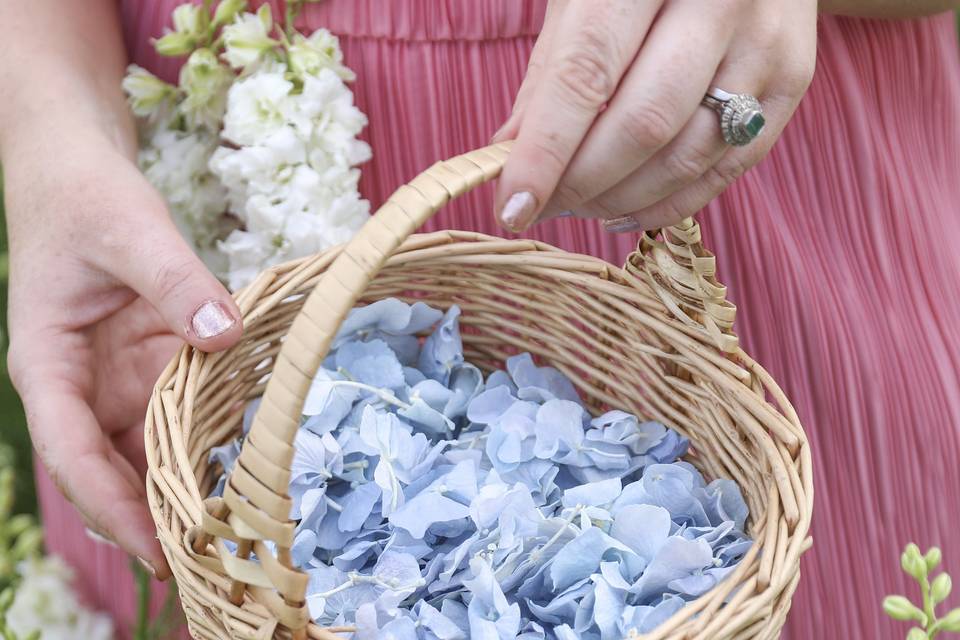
(585, 78)
(721, 176)
(685, 166)
(797, 77)
(648, 127)
(171, 276)
(569, 194)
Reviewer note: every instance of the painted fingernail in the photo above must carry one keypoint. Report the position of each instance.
(211, 319)
(147, 566)
(621, 225)
(518, 213)
(96, 537)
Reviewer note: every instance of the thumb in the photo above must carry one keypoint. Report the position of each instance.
(163, 269)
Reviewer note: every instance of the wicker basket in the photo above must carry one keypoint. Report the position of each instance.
(654, 338)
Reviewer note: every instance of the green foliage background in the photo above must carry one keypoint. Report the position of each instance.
(13, 431)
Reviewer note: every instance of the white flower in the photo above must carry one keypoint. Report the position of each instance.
(145, 91)
(247, 38)
(190, 24)
(205, 82)
(309, 56)
(176, 164)
(190, 18)
(46, 602)
(227, 11)
(257, 107)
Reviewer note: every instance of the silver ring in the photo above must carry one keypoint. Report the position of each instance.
(741, 115)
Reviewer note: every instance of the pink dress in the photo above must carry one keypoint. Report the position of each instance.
(842, 251)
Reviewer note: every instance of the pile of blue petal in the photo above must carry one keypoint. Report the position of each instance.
(436, 505)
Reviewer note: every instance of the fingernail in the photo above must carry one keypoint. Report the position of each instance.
(211, 319)
(519, 211)
(147, 566)
(621, 225)
(96, 537)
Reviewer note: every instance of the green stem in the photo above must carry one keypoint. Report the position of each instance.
(291, 11)
(142, 579)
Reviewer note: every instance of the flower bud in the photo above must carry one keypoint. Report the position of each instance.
(941, 588)
(949, 622)
(175, 44)
(145, 91)
(932, 558)
(206, 82)
(899, 608)
(913, 563)
(309, 56)
(247, 38)
(917, 634)
(190, 19)
(227, 10)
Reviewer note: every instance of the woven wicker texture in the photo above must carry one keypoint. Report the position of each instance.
(654, 338)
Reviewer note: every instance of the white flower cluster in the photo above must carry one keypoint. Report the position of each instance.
(46, 602)
(255, 150)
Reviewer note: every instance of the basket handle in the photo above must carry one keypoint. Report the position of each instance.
(683, 274)
(255, 506)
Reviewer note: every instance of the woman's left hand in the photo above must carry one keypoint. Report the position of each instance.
(608, 121)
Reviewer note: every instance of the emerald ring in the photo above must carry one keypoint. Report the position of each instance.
(741, 115)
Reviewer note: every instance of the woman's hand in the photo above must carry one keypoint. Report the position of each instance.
(102, 291)
(608, 122)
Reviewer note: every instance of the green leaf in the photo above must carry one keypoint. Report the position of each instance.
(899, 608)
(917, 634)
(941, 588)
(932, 559)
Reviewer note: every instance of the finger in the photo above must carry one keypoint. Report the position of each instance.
(90, 473)
(690, 199)
(689, 157)
(659, 95)
(160, 266)
(595, 42)
(540, 51)
(776, 63)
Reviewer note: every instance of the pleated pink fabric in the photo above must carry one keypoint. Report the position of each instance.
(842, 250)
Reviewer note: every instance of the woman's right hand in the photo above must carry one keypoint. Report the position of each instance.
(102, 291)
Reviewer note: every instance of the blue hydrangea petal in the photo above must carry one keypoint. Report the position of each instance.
(436, 623)
(677, 558)
(592, 494)
(581, 557)
(559, 428)
(426, 509)
(225, 455)
(724, 502)
(644, 528)
(372, 363)
(249, 413)
(563, 607)
(327, 403)
(388, 316)
(608, 606)
(539, 383)
(357, 506)
(304, 544)
(443, 349)
(490, 405)
(491, 616)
